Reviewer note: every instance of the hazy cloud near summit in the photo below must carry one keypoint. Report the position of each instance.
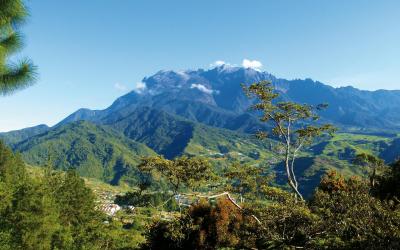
(246, 63)
(253, 64)
(202, 88)
(218, 63)
(139, 87)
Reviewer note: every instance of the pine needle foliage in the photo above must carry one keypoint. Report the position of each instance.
(14, 75)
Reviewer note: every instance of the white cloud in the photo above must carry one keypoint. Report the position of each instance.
(219, 63)
(120, 87)
(202, 88)
(139, 87)
(254, 64)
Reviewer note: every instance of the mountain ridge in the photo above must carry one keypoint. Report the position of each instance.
(204, 95)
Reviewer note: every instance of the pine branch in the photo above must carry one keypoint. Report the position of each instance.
(17, 76)
(10, 44)
(12, 12)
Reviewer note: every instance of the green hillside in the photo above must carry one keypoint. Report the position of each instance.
(224, 146)
(111, 151)
(16, 136)
(336, 153)
(95, 151)
(166, 134)
(171, 135)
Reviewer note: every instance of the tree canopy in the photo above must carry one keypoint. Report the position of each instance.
(292, 124)
(20, 74)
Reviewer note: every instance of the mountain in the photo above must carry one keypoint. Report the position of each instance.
(215, 97)
(94, 150)
(219, 91)
(13, 137)
(205, 113)
(172, 135)
(110, 149)
(164, 133)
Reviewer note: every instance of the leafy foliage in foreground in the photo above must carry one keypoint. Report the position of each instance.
(202, 227)
(55, 211)
(353, 218)
(343, 214)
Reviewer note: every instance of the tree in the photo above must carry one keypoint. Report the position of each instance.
(292, 124)
(182, 172)
(202, 226)
(13, 75)
(351, 217)
(388, 184)
(285, 224)
(371, 162)
(28, 219)
(33, 218)
(247, 181)
(52, 211)
(76, 203)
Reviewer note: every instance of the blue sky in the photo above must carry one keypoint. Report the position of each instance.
(90, 52)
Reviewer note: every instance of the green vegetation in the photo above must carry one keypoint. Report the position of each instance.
(94, 151)
(98, 151)
(53, 210)
(180, 172)
(215, 188)
(341, 215)
(47, 209)
(14, 137)
(292, 125)
(13, 76)
(166, 134)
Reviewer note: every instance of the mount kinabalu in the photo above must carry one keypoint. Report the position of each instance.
(194, 113)
(215, 97)
(165, 113)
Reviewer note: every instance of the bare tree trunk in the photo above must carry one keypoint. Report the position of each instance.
(292, 183)
(292, 164)
(290, 173)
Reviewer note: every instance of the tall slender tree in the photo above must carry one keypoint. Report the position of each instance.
(20, 74)
(292, 124)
